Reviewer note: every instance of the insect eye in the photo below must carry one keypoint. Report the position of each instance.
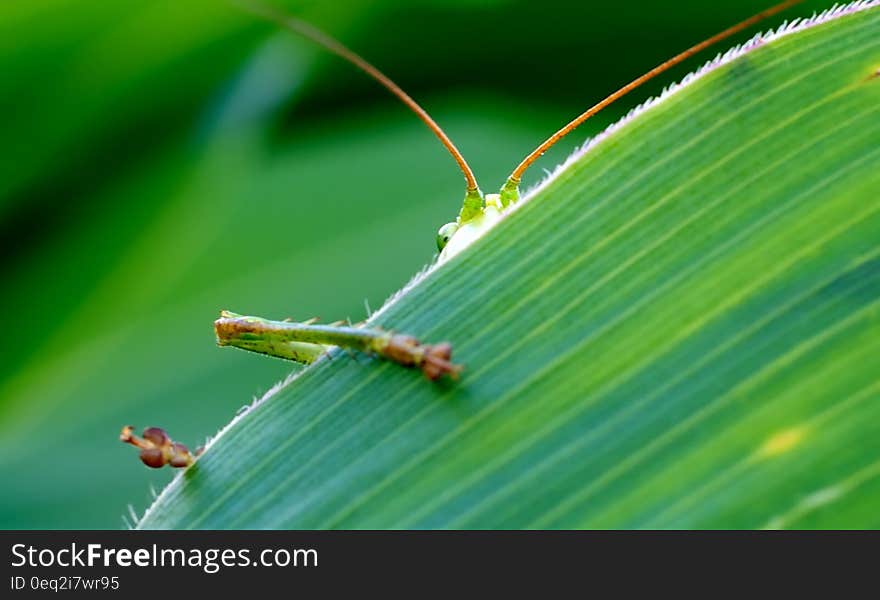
(445, 234)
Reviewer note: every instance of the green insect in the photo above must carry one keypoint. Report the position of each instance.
(480, 212)
(305, 342)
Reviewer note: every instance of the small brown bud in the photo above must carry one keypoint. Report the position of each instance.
(156, 435)
(152, 457)
(180, 456)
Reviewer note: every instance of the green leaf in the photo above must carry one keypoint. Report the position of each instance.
(679, 329)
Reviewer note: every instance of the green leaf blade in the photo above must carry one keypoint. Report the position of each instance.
(681, 329)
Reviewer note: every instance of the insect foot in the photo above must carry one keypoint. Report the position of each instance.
(157, 449)
(433, 359)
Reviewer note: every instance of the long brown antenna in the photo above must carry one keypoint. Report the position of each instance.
(513, 181)
(322, 39)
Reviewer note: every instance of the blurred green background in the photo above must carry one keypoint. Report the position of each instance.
(163, 160)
